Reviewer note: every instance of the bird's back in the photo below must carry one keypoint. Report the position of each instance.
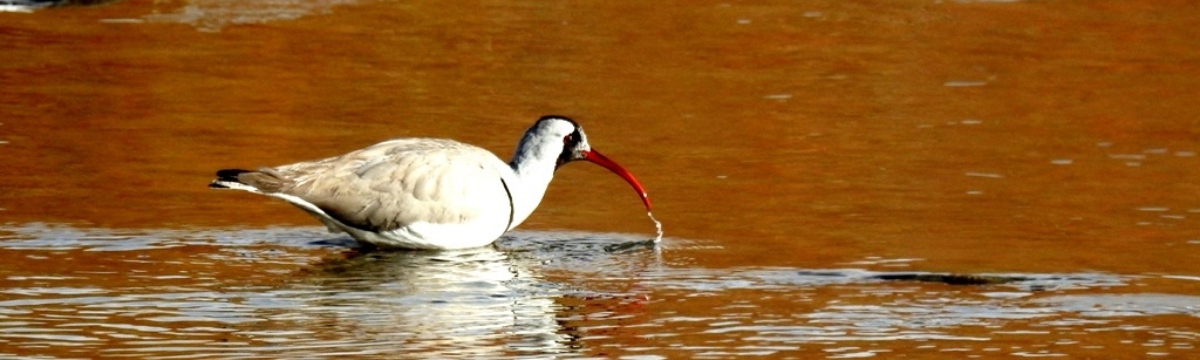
(395, 183)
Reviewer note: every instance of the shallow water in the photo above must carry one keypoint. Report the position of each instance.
(817, 168)
(286, 293)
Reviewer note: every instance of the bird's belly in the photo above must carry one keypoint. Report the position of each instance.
(429, 236)
(475, 232)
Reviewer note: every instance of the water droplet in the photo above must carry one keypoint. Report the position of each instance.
(657, 227)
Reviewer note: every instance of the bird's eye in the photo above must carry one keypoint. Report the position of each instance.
(569, 138)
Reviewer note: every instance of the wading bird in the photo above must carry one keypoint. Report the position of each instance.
(422, 193)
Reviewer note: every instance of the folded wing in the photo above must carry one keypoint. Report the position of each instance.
(395, 183)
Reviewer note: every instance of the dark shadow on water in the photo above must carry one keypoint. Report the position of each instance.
(341, 242)
(951, 279)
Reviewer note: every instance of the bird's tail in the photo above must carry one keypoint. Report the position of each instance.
(262, 181)
(229, 179)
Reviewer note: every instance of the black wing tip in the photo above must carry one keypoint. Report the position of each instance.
(226, 176)
(230, 174)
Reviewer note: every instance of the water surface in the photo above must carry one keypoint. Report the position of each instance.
(293, 292)
(798, 155)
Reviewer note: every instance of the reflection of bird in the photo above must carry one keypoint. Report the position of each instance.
(446, 304)
(428, 193)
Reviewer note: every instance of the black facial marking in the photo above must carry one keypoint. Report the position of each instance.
(570, 148)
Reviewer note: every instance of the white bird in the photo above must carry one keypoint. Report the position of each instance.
(423, 193)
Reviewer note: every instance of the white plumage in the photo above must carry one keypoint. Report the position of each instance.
(422, 193)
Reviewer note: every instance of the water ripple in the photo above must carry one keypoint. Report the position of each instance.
(536, 294)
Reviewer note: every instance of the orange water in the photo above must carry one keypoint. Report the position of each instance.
(1055, 141)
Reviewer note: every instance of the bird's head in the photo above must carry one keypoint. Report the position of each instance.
(561, 134)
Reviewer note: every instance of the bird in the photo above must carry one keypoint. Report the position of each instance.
(428, 193)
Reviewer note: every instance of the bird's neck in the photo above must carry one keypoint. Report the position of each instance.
(532, 169)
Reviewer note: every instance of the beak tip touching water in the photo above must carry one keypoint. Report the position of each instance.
(599, 159)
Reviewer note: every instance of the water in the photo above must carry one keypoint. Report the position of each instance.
(837, 179)
(295, 292)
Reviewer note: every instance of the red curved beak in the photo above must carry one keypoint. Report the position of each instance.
(599, 159)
